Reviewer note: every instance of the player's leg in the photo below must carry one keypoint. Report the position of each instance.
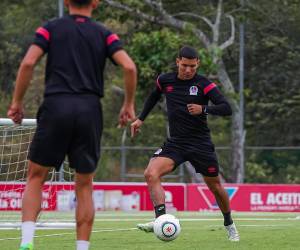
(215, 186)
(206, 163)
(83, 155)
(85, 211)
(48, 148)
(31, 202)
(157, 167)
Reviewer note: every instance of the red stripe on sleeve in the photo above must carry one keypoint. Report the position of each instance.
(158, 84)
(110, 39)
(209, 88)
(45, 33)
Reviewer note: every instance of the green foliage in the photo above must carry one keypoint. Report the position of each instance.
(272, 92)
(273, 103)
(281, 166)
(207, 66)
(19, 19)
(5, 101)
(153, 53)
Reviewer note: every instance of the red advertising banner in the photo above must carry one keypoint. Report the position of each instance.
(175, 194)
(179, 197)
(11, 195)
(107, 196)
(247, 197)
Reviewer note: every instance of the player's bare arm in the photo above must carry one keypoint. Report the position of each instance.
(127, 112)
(24, 77)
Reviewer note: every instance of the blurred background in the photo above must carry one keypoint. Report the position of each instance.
(251, 49)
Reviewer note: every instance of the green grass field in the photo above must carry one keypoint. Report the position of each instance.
(116, 231)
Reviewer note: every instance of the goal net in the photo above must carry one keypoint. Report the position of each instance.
(58, 197)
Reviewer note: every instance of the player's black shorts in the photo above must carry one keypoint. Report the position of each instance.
(201, 155)
(68, 125)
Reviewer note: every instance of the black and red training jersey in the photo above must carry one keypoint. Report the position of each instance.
(179, 93)
(77, 49)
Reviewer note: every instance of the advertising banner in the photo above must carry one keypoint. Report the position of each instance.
(107, 196)
(179, 197)
(247, 197)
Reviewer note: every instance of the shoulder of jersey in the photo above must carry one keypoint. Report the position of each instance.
(98, 24)
(166, 77)
(53, 21)
(202, 81)
(66, 18)
(56, 21)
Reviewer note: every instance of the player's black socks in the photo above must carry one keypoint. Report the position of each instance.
(160, 210)
(227, 219)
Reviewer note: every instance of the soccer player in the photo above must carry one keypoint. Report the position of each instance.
(69, 122)
(187, 96)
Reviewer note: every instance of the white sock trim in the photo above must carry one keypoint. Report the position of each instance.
(82, 245)
(28, 229)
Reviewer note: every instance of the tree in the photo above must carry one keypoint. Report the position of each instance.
(211, 37)
(272, 110)
(273, 95)
(19, 19)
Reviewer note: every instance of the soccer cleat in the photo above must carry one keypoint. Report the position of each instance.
(28, 246)
(147, 227)
(232, 232)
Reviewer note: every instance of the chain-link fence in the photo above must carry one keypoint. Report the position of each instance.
(262, 164)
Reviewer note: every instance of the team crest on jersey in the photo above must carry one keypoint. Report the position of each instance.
(193, 90)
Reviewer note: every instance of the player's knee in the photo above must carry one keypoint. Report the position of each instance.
(150, 175)
(84, 181)
(147, 175)
(36, 176)
(83, 185)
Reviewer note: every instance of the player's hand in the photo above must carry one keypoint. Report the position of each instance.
(194, 109)
(16, 112)
(127, 114)
(135, 127)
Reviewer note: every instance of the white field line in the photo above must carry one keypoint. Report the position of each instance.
(239, 219)
(286, 225)
(147, 213)
(45, 215)
(199, 219)
(128, 229)
(73, 233)
(200, 214)
(53, 227)
(182, 218)
(132, 229)
(256, 225)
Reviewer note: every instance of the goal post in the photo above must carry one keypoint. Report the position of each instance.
(58, 197)
(25, 122)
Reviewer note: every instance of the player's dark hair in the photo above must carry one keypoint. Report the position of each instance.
(81, 3)
(188, 52)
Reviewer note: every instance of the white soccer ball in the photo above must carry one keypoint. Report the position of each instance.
(167, 227)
